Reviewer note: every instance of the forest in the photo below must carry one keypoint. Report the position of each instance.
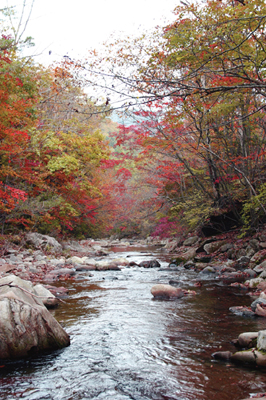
(190, 154)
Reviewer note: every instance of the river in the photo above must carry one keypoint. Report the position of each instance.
(126, 345)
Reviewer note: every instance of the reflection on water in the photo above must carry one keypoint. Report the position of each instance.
(125, 345)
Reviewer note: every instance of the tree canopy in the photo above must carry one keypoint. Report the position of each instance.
(197, 91)
(195, 94)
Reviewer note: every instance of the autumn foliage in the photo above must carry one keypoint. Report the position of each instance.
(52, 158)
(197, 101)
(17, 115)
(194, 92)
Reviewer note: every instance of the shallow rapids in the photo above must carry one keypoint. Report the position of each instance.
(125, 345)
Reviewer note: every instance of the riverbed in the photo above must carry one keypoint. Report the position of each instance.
(126, 345)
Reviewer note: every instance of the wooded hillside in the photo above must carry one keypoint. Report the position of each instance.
(195, 153)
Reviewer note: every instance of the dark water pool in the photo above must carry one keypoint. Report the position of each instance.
(125, 345)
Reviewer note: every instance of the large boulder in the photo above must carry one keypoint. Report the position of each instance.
(252, 356)
(244, 357)
(43, 242)
(247, 340)
(26, 326)
(166, 291)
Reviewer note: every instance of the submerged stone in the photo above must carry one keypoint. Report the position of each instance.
(166, 291)
(244, 357)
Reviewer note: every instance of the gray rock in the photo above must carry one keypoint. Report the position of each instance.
(243, 261)
(244, 357)
(102, 265)
(247, 339)
(40, 257)
(260, 267)
(222, 355)
(26, 326)
(226, 247)
(55, 261)
(76, 260)
(63, 271)
(44, 242)
(257, 301)
(150, 264)
(14, 259)
(75, 246)
(11, 251)
(261, 341)
(96, 247)
(189, 265)
(252, 357)
(241, 253)
(189, 254)
(231, 254)
(258, 257)
(253, 283)
(113, 267)
(260, 358)
(250, 273)
(89, 261)
(250, 251)
(166, 291)
(213, 246)
(173, 246)
(208, 270)
(16, 281)
(190, 241)
(263, 275)
(28, 259)
(48, 299)
(33, 270)
(242, 311)
(226, 268)
(40, 263)
(83, 267)
(254, 243)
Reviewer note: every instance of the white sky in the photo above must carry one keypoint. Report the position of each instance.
(65, 27)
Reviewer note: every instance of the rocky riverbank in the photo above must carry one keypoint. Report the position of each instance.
(225, 259)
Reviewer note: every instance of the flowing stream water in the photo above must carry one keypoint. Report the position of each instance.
(126, 345)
